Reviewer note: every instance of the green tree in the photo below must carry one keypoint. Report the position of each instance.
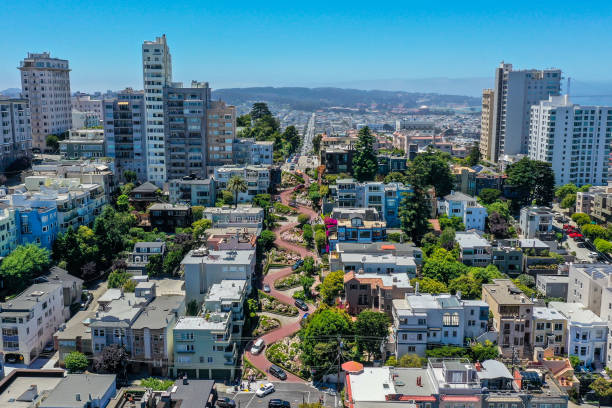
(453, 222)
(307, 282)
(259, 110)
(411, 361)
(52, 142)
(332, 286)
(533, 181)
(227, 198)
(117, 278)
(603, 246)
(428, 285)
(303, 219)
(236, 185)
(243, 120)
(129, 286)
(156, 265)
(291, 136)
(110, 228)
(602, 387)
(585, 188)
(443, 266)
(172, 260)
(396, 177)
(489, 195)
(197, 212)
(469, 287)
(498, 226)
(500, 207)
(307, 234)
(564, 190)
(130, 176)
(569, 201)
(23, 264)
(266, 240)
(371, 330)
(432, 169)
(320, 240)
(156, 384)
(447, 239)
(446, 352)
(581, 218)
(482, 352)
(199, 227)
(309, 265)
(193, 308)
(365, 163)
(593, 231)
(474, 156)
(316, 143)
(76, 362)
(414, 215)
(123, 203)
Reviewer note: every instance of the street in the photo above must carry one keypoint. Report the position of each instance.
(295, 393)
(309, 134)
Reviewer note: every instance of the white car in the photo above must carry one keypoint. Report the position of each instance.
(264, 390)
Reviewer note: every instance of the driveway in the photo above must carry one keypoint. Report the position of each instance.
(296, 394)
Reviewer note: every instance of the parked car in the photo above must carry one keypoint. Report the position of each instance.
(278, 403)
(264, 390)
(258, 346)
(301, 304)
(297, 264)
(48, 348)
(87, 301)
(226, 403)
(278, 372)
(266, 288)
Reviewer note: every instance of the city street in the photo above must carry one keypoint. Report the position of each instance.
(295, 393)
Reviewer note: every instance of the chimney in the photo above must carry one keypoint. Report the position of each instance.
(78, 397)
(478, 366)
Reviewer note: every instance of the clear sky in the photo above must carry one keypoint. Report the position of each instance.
(244, 43)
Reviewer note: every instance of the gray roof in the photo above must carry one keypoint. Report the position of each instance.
(57, 274)
(161, 311)
(145, 188)
(166, 206)
(29, 297)
(154, 244)
(458, 196)
(194, 394)
(64, 395)
(494, 369)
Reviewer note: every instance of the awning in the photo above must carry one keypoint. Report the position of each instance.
(461, 398)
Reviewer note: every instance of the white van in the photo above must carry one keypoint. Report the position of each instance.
(257, 346)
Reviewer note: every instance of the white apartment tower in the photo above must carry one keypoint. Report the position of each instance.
(514, 94)
(574, 139)
(16, 130)
(157, 73)
(45, 82)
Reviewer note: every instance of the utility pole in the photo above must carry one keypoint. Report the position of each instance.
(339, 364)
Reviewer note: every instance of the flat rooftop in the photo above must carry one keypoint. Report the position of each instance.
(29, 297)
(470, 240)
(547, 313)
(215, 322)
(64, 394)
(577, 313)
(222, 257)
(375, 259)
(506, 293)
(227, 289)
(8, 398)
(158, 313)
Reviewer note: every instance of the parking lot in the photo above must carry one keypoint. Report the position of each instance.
(295, 393)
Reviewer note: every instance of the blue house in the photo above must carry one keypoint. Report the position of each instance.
(37, 225)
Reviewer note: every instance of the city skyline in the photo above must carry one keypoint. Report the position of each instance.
(310, 45)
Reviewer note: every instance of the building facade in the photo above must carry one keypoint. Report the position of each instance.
(536, 222)
(486, 123)
(193, 191)
(83, 144)
(221, 131)
(45, 83)
(258, 179)
(574, 139)
(15, 131)
(465, 207)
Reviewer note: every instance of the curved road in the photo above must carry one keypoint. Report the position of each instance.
(260, 361)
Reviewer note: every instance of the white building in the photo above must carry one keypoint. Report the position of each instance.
(29, 320)
(16, 130)
(474, 249)
(461, 205)
(514, 94)
(157, 73)
(256, 177)
(574, 139)
(45, 82)
(244, 215)
(203, 268)
(421, 319)
(84, 120)
(376, 263)
(536, 222)
(83, 103)
(587, 333)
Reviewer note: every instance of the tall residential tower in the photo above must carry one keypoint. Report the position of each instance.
(513, 95)
(157, 73)
(45, 83)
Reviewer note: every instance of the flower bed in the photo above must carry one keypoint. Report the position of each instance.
(291, 281)
(286, 353)
(251, 370)
(293, 235)
(272, 305)
(265, 325)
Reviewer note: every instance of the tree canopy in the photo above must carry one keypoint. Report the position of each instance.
(533, 181)
(432, 169)
(371, 330)
(23, 264)
(332, 286)
(76, 362)
(365, 163)
(414, 214)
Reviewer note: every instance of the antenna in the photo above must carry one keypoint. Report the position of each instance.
(569, 83)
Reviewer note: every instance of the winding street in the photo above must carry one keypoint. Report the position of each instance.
(260, 361)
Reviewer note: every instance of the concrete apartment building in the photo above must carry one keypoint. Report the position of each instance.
(553, 285)
(474, 250)
(206, 345)
(512, 317)
(15, 131)
(29, 320)
(203, 268)
(83, 103)
(422, 319)
(9, 236)
(514, 92)
(157, 74)
(83, 144)
(574, 139)
(536, 222)
(587, 333)
(244, 215)
(249, 151)
(486, 122)
(586, 203)
(457, 204)
(125, 132)
(357, 225)
(338, 260)
(185, 129)
(45, 83)
(549, 330)
(258, 179)
(193, 191)
(220, 131)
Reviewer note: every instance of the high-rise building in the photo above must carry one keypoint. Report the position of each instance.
(45, 82)
(124, 132)
(221, 130)
(574, 139)
(513, 95)
(157, 73)
(486, 123)
(82, 102)
(15, 129)
(185, 129)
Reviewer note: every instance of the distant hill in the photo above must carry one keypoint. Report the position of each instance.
(315, 98)
(11, 92)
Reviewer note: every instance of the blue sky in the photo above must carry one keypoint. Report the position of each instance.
(236, 43)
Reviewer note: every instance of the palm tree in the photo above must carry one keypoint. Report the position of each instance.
(236, 185)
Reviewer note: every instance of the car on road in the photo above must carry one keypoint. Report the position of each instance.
(11, 359)
(264, 390)
(278, 403)
(87, 301)
(258, 346)
(226, 403)
(266, 288)
(48, 348)
(278, 372)
(292, 167)
(593, 255)
(297, 264)
(301, 304)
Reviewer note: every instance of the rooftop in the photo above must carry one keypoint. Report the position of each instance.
(399, 280)
(553, 279)
(377, 259)
(146, 187)
(154, 244)
(532, 243)
(576, 312)
(194, 394)
(221, 257)
(167, 206)
(30, 297)
(506, 293)
(470, 240)
(227, 289)
(458, 196)
(547, 313)
(19, 392)
(84, 385)
(161, 311)
(215, 322)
